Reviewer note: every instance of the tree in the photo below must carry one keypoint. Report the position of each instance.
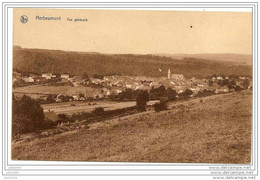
(81, 95)
(238, 88)
(158, 92)
(84, 75)
(220, 83)
(98, 76)
(225, 82)
(246, 83)
(62, 117)
(210, 83)
(27, 115)
(160, 106)
(50, 99)
(171, 94)
(99, 111)
(141, 100)
(186, 93)
(232, 84)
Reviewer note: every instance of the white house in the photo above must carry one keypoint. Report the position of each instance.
(47, 75)
(177, 77)
(108, 93)
(129, 86)
(75, 97)
(28, 79)
(66, 76)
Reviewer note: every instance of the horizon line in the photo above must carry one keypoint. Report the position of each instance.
(161, 53)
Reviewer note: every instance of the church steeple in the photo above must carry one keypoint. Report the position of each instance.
(169, 74)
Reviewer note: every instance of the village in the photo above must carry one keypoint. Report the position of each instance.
(113, 96)
(103, 87)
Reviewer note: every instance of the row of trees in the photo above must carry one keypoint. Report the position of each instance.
(154, 93)
(231, 84)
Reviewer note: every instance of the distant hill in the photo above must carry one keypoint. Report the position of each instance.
(76, 63)
(245, 59)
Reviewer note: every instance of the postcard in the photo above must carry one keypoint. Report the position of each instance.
(129, 89)
(132, 86)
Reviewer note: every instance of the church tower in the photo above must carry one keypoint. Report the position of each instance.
(169, 74)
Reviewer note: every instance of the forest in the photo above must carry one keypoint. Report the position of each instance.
(76, 63)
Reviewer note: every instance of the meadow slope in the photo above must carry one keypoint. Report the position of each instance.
(216, 129)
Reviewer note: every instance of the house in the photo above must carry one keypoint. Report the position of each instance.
(95, 80)
(193, 90)
(66, 76)
(108, 93)
(242, 77)
(75, 97)
(177, 77)
(82, 98)
(39, 79)
(129, 86)
(17, 75)
(58, 100)
(47, 75)
(98, 95)
(76, 79)
(205, 81)
(222, 90)
(64, 80)
(118, 91)
(180, 91)
(28, 79)
(172, 83)
(219, 78)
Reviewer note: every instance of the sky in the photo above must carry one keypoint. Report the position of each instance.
(135, 31)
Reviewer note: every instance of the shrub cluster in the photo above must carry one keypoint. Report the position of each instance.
(27, 116)
(161, 106)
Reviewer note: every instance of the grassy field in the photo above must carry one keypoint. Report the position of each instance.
(214, 129)
(78, 107)
(44, 89)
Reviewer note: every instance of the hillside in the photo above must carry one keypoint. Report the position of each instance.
(216, 129)
(245, 59)
(76, 63)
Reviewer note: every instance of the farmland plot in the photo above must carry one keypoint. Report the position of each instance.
(76, 107)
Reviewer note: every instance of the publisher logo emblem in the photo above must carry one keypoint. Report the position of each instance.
(24, 19)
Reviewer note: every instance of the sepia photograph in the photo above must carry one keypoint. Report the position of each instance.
(140, 86)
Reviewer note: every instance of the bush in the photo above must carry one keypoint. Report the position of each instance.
(246, 83)
(238, 88)
(160, 106)
(62, 117)
(27, 116)
(98, 111)
(186, 94)
(232, 84)
(156, 93)
(205, 92)
(171, 94)
(141, 100)
(210, 83)
(50, 99)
